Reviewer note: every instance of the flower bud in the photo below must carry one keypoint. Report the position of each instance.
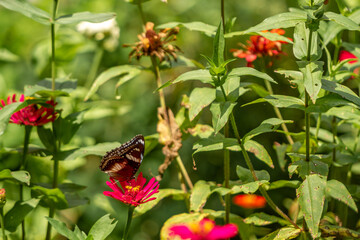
(2, 197)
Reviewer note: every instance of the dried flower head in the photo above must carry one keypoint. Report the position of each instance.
(156, 44)
(33, 114)
(259, 46)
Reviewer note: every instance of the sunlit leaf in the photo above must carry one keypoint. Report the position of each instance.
(259, 151)
(311, 196)
(342, 90)
(312, 72)
(283, 233)
(84, 16)
(193, 26)
(199, 99)
(103, 227)
(62, 229)
(220, 114)
(342, 20)
(18, 212)
(263, 219)
(199, 195)
(338, 191)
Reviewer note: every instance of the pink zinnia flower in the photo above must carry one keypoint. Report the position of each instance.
(250, 201)
(133, 192)
(346, 55)
(259, 46)
(203, 230)
(31, 115)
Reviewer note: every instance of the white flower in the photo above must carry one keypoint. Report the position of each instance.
(107, 32)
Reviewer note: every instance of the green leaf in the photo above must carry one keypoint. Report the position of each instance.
(312, 72)
(84, 16)
(280, 101)
(327, 102)
(63, 87)
(163, 193)
(301, 42)
(192, 26)
(311, 196)
(103, 227)
(183, 218)
(281, 153)
(199, 195)
(65, 128)
(268, 125)
(217, 142)
(338, 191)
(18, 212)
(220, 114)
(268, 35)
(6, 112)
(248, 71)
(54, 197)
(258, 90)
(219, 46)
(284, 183)
(282, 20)
(245, 175)
(47, 138)
(283, 233)
(199, 99)
(28, 10)
(341, 20)
(124, 72)
(7, 56)
(344, 112)
(341, 90)
(308, 167)
(21, 176)
(202, 75)
(339, 232)
(263, 219)
(247, 188)
(62, 229)
(98, 150)
(232, 89)
(259, 151)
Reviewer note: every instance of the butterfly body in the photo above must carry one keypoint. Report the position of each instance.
(123, 162)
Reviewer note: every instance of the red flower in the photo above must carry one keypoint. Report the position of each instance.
(250, 201)
(33, 114)
(133, 192)
(203, 230)
(259, 46)
(346, 55)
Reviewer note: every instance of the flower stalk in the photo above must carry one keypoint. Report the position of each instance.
(3, 223)
(307, 98)
(128, 222)
(99, 52)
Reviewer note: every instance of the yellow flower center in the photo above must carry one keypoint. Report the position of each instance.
(201, 229)
(29, 98)
(132, 189)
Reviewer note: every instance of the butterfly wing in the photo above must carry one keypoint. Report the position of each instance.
(123, 162)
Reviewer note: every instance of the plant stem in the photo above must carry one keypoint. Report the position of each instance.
(94, 65)
(318, 123)
(3, 223)
(48, 230)
(142, 15)
(307, 115)
(184, 173)
(128, 223)
(23, 167)
(252, 170)
(53, 64)
(278, 113)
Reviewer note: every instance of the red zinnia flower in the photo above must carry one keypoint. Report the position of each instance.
(250, 201)
(133, 192)
(259, 46)
(346, 55)
(203, 230)
(31, 115)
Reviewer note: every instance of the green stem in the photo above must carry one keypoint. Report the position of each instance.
(2, 223)
(307, 115)
(94, 65)
(252, 170)
(23, 165)
(318, 123)
(142, 15)
(227, 177)
(128, 223)
(53, 63)
(48, 230)
(184, 173)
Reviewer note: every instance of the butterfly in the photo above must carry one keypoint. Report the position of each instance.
(123, 162)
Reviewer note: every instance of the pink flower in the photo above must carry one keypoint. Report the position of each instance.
(31, 115)
(259, 46)
(133, 192)
(203, 230)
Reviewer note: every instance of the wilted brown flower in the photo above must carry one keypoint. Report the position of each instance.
(155, 44)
